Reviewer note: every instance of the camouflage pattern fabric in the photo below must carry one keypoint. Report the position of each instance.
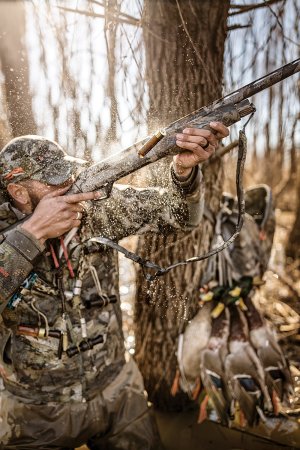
(37, 158)
(15, 265)
(30, 367)
(116, 418)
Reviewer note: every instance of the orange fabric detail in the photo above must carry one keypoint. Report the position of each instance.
(13, 172)
(65, 251)
(54, 257)
(4, 272)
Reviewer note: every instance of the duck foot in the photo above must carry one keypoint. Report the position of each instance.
(276, 403)
(203, 410)
(196, 390)
(175, 385)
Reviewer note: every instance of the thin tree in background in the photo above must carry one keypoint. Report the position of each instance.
(93, 45)
(14, 66)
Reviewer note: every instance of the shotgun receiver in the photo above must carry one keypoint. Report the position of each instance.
(228, 110)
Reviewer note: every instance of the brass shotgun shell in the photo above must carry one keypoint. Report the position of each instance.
(151, 142)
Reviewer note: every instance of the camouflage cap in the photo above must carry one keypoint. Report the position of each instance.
(36, 158)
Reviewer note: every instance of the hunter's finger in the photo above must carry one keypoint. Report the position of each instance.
(198, 132)
(193, 147)
(75, 223)
(191, 138)
(63, 216)
(188, 160)
(184, 160)
(57, 192)
(195, 152)
(82, 197)
(78, 216)
(222, 131)
(77, 207)
(195, 133)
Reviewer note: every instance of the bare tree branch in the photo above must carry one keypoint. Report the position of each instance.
(241, 6)
(281, 27)
(96, 2)
(238, 26)
(224, 150)
(131, 21)
(245, 8)
(125, 15)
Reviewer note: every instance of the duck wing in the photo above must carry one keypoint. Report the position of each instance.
(244, 372)
(263, 338)
(190, 345)
(212, 368)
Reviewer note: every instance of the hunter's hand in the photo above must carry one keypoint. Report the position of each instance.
(56, 214)
(193, 140)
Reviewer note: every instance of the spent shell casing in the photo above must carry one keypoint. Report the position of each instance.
(151, 142)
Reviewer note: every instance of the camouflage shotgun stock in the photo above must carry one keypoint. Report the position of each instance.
(228, 110)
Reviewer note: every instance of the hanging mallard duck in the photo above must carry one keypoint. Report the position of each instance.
(228, 353)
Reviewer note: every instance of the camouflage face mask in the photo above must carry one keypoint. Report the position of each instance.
(37, 158)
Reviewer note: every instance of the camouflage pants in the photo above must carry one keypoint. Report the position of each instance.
(116, 418)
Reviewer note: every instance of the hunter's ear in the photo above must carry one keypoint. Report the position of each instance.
(18, 193)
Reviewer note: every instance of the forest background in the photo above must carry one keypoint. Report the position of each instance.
(98, 75)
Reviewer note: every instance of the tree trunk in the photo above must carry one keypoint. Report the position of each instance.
(14, 65)
(293, 245)
(184, 42)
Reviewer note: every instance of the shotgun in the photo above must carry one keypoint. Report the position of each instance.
(228, 110)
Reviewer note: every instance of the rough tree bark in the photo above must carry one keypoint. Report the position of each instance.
(14, 66)
(293, 245)
(184, 42)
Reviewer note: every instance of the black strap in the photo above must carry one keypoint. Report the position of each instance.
(130, 255)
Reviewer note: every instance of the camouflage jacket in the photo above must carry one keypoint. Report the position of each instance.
(29, 365)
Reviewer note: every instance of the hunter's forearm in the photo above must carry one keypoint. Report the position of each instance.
(130, 210)
(192, 189)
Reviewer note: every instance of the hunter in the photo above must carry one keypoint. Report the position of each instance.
(64, 377)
